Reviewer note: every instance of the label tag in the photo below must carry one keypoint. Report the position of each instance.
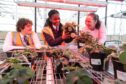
(121, 75)
(96, 61)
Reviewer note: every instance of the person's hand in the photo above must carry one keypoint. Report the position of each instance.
(65, 36)
(73, 35)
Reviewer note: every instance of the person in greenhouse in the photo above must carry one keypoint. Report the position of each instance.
(52, 33)
(95, 27)
(23, 37)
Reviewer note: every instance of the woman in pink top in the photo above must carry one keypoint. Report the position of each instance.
(95, 27)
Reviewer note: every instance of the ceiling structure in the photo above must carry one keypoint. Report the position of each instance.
(81, 2)
(119, 15)
(11, 9)
(55, 6)
(8, 7)
(65, 4)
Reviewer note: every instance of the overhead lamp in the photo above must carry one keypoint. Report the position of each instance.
(55, 6)
(81, 2)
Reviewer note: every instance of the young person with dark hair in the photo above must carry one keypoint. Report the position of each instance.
(52, 33)
(95, 27)
(22, 38)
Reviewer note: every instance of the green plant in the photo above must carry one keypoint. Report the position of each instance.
(78, 77)
(31, 52)
(68, 53)
(19, 73)
(13, 60)
(85, 38)
(121, 55)
(122, 59)
(117, 81)
(57, 53)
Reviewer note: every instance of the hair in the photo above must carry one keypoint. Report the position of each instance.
(96, 18)
(21, 24)
(51, 12)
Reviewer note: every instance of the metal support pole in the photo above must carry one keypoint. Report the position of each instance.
(35, 18)
(106, 9)
(78, 22)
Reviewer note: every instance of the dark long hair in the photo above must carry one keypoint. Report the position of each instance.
(48, 22)
(96, 18)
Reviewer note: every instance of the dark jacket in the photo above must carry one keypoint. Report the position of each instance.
(51, 36)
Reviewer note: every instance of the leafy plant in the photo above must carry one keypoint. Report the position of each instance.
(85, 38)
(68, 53)
(117, 81)
(26, 52)
(31, 52)
(122, 59)
(108, 51)
(91, 44)
(19, 73)
(57, 53)
(121, 55)
(13, 60)
(69, 27)
(78, 77)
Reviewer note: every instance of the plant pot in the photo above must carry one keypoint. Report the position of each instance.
(119, 71)
(40, 54)
(9, 54)
(60, 68)
(97, 60)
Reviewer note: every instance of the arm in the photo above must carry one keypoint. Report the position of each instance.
(36, 41)
(8, 45)
(51, 41)
(102, 34)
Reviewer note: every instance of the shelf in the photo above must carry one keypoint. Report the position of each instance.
(81, 2)
(55, 6)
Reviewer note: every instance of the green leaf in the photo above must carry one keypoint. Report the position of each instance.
(122, 57)
(13, 60)
(124, 67)
(79, 77)
(18, 72)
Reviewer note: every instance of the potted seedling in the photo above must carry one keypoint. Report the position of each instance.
(56, 53)
(69, 53)
(119, 63)
(17, 73)
(78, 77)
(96, 52)
(72, 69)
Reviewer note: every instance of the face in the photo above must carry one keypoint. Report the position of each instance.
(55, 19)
(90, 22)
(27, 29)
